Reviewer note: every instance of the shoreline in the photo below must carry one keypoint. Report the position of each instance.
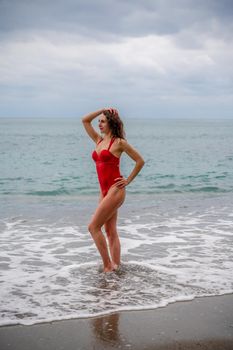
(109, 312)
(202, 323)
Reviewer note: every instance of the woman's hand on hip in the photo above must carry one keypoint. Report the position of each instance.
(121, 182)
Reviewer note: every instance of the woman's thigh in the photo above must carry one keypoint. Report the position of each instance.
(108, 206)
(110, 225)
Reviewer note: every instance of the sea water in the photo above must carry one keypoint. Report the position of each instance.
(175, 226)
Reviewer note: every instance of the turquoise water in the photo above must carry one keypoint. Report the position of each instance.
(175, 225)
(51, 157)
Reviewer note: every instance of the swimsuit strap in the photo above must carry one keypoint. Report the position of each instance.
(111, 142)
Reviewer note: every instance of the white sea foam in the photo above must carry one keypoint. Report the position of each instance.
(50, 271)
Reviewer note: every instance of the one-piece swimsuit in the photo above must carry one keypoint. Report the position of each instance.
(107, 167)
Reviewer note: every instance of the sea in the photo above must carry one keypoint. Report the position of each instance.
(175, 226)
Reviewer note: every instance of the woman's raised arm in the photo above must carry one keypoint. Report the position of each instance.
(86, 120)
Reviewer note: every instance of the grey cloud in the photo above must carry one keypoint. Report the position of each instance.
(111, 17)
(159, 54)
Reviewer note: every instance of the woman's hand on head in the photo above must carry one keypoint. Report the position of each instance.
(113, 111)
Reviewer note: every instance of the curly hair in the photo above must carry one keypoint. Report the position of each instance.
(115, 124)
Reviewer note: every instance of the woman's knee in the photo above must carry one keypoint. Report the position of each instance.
(93, 228)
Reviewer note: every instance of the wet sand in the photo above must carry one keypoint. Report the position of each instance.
(203, 323)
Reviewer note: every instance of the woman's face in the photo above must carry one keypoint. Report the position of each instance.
(103, 124)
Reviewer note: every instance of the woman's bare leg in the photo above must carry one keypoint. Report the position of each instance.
(113, 239)
(103, 213)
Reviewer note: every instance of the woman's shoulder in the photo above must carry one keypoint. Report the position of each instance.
(121, 142)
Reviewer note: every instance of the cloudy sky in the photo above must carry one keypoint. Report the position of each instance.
(148, 58)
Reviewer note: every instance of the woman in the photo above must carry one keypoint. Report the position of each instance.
(112, 184)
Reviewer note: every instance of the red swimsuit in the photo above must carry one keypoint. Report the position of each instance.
(107, 167)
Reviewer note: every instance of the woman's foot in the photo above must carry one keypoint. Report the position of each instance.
(115, 267)
(111, 267)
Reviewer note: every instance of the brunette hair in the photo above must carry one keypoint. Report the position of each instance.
(115, 124)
